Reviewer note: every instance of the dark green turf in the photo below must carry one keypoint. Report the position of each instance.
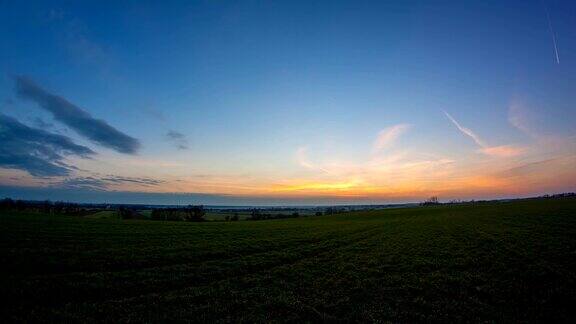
(498, 262)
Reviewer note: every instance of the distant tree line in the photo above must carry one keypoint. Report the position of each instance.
(186, 214)
(45, 207)
(126, 212)
(332, 211)
(560, 195)
(430, 201)
(258, 214)
(434, 199)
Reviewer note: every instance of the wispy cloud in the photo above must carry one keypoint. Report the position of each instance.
(138, 180)
(302, 158)
(97, 182)
(517, 117)
(89, 183)
(40, 123)
(74, 37)
(316, 186)
(154, 113)
(76, 118)
(36, 151)
(388, 136)
(178, 139)
(499, 151)
(544, 142)
(503, 150)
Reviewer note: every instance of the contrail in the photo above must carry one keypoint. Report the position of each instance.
(466, 131)
(552, 33)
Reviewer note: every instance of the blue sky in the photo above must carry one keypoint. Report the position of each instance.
(287, 99)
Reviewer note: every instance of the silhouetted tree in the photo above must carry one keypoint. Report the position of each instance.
(7, 204)
(255, 214)
(195, 213)
(126, 213)
(431, 201)
(189, 214)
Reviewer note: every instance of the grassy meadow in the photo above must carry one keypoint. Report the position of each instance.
(504, 262)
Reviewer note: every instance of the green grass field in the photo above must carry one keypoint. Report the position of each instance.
(105, 214)
(487, 262)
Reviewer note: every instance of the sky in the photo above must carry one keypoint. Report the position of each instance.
(286, 102)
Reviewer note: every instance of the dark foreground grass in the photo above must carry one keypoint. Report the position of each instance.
(489, 262)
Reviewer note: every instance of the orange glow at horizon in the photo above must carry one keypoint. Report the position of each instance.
(384, 172)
